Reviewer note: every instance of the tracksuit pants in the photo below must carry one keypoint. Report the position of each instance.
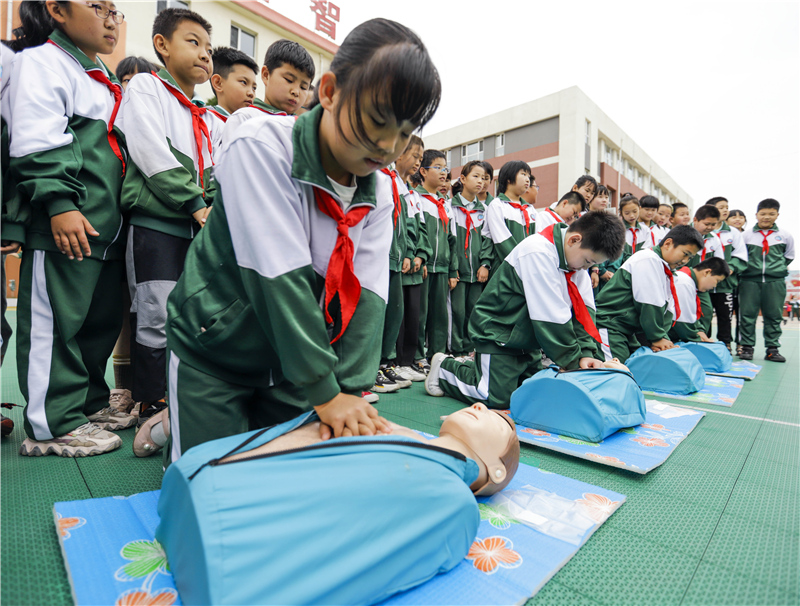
(393, 318)
(408, 335)
(618, 344)
(154, 263)
(490, 378)
(723, 308)
(434, 321)
(462, 301)
(68, 320)
(767, 297)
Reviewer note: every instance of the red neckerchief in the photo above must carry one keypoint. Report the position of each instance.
(341, 277)
(199, 127)
(633, 230)
(525, 215)
(765, 243)
(440, 205)
(555, 215)
(688, 272)
(116, 91)
(395, 193)
(217, 114)
(582, 314)
(469, 223)
(668, 272)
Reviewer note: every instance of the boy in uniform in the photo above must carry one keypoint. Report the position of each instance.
(689, 284)
(234, 80)
(540, 298)
(170, 136)
(641, 297)
(763, 282)
(569, 208)
(648, 207)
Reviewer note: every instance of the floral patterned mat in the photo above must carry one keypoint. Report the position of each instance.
(639, 449)
(740, 370)
(718, 390)
(112, 556)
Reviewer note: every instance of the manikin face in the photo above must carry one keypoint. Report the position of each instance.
(630, 213)
(663, 215)
(477, 427)
(615, 364)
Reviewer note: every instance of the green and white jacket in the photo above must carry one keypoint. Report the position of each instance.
(735, 256)
(247, 307)
(774, 265)
(526, 307)
(399, 250)
(162, 186)
(440, 238)
(240, 116)
(60, 157)
(638, 298)
(503, 229)
(469, 258)
(417, 237)
(690, 321)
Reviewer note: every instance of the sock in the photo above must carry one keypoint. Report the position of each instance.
(123, 376)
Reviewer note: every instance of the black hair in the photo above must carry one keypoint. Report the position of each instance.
(602, 232)
(226, 57)
(707, 211)
(683, 234)
(488, 168)
(385, 64)
(628, 199)
(584, 179)
(456, 188)
(508, 173)
(677, 206)
(286, 51)
(717, 266)
(769, 203)
(648, 202)
(573, 197)
(737, 213)
(415, 141)
(36, 24)
(168, 20)
(713, 201)
(429, 155)
(416, 179)
(467, 168)
(667, 204)
(601, 189)
(134, 65)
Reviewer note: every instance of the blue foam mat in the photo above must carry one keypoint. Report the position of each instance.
(639, 449)
(112, 557)
(721, 391)
(740, 370)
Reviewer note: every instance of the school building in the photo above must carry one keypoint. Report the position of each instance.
(561, 136)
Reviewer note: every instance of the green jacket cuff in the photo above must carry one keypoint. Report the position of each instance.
(57, 207)
(322, 391)
(13, 232)
(197, 204)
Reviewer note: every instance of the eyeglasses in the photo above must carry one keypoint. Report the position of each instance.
(439, 168)
(104, 12)
(536, 187)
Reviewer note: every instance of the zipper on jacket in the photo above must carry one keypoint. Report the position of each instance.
(119, 229)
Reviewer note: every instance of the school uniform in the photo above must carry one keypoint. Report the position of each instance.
(243, 114)
(525, 308)
(408, 334)
(469, 218)
(248, 343)
(722, 297)
(547, 217)
(168, 178)
(6, 65)
(657, 233)
(690, 321)
(62, 159)
(637, 237)
(220, 110)
(507, 223)
(640, 298)
(762, 284)
(389, 186)
(442, 264)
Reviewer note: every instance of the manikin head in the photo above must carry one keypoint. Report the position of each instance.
(492, 437)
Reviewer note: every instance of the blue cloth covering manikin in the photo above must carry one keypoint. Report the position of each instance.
(346, 521)
(714, 357)
(585, 404)
(674, 370)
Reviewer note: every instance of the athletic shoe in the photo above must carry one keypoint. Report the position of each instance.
(152, 409)
(384, 384)
(409, 373)
(152, 435)
(121, 400)
(7, 426)
(85, 441)
(390, 374)
(112, 419)
(369, 396)
(773, 355)
(423, 366)
(745, 352)
(432, 382)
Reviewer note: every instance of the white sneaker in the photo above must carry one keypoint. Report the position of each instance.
(432, 380)
(121, 400)
(85, 441)
(370, 397)
(409, 373)
(383, 384)
(112, 419)
(390, 373)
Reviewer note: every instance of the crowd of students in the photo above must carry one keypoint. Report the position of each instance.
(247, 273)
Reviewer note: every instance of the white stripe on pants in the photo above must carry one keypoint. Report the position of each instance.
(40, 357)
(479, 392)
(172, 388)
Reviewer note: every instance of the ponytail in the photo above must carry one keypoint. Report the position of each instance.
(37, 25)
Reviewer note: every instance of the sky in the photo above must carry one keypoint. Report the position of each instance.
(710, 90)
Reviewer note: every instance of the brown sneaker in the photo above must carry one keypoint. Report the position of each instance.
(112, 419)
(85, 441)
(121, 400)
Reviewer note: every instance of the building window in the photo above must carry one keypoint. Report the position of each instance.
(588, 132)
(500, 145)
(243, 41)
(449, 154)
(162, 4)
(471, 151)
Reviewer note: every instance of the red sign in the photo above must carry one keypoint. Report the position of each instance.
(327, 14)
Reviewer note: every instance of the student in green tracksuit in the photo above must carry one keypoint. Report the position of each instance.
(640, 298)
(706, 219)
(762, 285)
(233, 81)
(689, 284)
(469, 216)
(66, 170)
(281, 306)
(442, 264)
(529, 306)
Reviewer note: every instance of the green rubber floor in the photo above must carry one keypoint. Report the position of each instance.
(718, 523)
